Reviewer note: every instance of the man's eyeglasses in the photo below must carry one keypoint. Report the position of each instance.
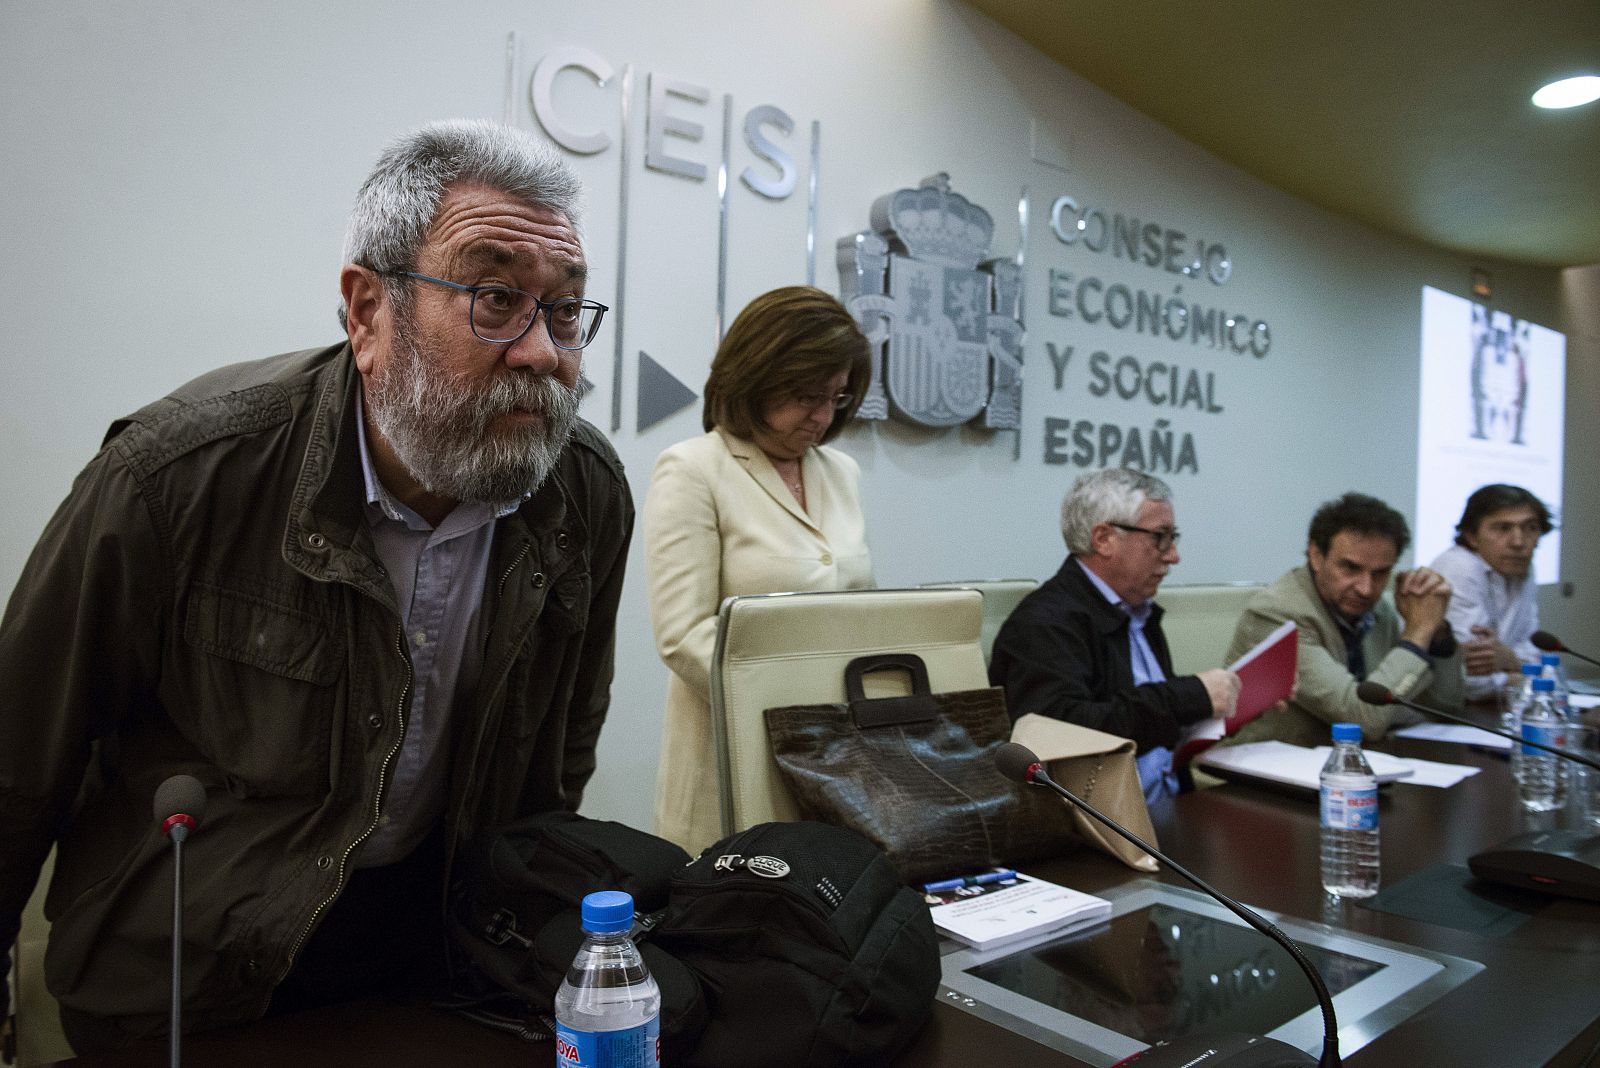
(501, 315)
(811, 400)
(1164, 539)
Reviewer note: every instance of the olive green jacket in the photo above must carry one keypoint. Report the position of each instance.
(1325, 688)
(208, 600)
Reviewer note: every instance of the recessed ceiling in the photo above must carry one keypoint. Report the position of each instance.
(1411, 117)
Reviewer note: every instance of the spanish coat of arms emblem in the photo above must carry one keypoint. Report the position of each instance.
(944, 321)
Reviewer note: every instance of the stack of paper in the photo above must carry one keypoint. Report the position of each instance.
(1010, 911)
(1291, 765)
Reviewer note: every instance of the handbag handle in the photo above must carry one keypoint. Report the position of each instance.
(917, 707)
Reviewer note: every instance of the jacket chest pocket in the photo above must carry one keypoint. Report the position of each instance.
(262, 700)
(542, 667)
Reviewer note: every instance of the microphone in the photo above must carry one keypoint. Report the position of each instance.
(1551, 862)
(180, 805)
(1018, 763)
(1544, 640)
(1375, 694)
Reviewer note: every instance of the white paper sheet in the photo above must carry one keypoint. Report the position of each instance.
(1452, 732)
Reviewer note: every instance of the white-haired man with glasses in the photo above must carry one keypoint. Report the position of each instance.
(365, 594)
(1087, 647)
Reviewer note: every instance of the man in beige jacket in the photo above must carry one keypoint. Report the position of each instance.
(1349, 633)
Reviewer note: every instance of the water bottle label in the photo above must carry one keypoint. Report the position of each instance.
(1350, 810)
(1548, 733)
(633, 1047)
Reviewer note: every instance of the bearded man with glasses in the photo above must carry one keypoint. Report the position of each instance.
(365, 594)
(1087, 647)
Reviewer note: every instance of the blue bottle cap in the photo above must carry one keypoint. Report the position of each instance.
(1544, 685)
(1531, 669)
(1550, 660)
(1347, 732)
(607, 912)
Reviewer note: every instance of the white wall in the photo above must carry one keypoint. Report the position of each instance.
(178, 174)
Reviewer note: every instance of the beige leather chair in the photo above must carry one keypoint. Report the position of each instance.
(1200, 620)
(39, 1037)
(1000, 599)
(791, 649)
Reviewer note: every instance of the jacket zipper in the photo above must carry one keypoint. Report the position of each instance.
(377, 804)
(516, 563)
(477, 739)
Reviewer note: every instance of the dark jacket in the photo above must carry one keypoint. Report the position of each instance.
(208, 600)
(1064, 653)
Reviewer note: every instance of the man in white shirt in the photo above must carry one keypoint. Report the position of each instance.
(1493, 611)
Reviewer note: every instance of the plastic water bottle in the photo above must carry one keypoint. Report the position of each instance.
(1349, 817)
(1561, 696)
(1511, 718)
(1543, 783)
(608, 1010)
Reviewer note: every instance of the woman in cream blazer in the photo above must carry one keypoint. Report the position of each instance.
(758, 504)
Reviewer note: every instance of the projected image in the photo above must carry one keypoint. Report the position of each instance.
(1492, 408)
(1499, 384)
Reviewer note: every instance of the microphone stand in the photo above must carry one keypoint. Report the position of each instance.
(1373, 694)
(1036, 774)
(180, 805)
(1546, 642)
(1549, 862)
(177, 831)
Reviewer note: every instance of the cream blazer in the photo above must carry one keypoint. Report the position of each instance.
(719, 522)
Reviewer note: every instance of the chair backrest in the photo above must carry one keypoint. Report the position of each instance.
(39, 1036)
(1199, 621)
(1000, 599)
(781, 649)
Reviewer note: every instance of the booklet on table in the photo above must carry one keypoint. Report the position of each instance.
(1021, 907)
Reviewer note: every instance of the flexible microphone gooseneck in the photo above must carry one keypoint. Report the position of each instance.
(1375, 694)
(1562, 862)
(1018, 762)
(1543, 639)
(180, 805)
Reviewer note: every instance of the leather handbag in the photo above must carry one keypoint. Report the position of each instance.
(1098, 768)
(916, 774)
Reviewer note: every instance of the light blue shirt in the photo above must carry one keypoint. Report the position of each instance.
(438, 574)
(1155, 765)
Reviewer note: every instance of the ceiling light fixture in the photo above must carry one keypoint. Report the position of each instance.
(1569, 92)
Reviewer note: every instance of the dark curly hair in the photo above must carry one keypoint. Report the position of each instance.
(1362, 514)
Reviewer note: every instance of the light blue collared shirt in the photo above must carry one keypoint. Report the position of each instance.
(438, 574)
(1155, 765)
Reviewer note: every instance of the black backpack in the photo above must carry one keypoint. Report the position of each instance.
(809, 948)
(785, 944)
(514, 921)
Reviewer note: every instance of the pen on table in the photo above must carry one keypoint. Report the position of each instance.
(999, 875)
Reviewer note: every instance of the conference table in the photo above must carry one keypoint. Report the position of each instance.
(1536, 1001)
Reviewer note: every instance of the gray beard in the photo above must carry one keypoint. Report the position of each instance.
(439, 427)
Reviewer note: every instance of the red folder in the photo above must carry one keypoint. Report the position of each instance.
(1266, 676)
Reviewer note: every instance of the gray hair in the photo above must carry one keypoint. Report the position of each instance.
(1111, 495)
(397, 203)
